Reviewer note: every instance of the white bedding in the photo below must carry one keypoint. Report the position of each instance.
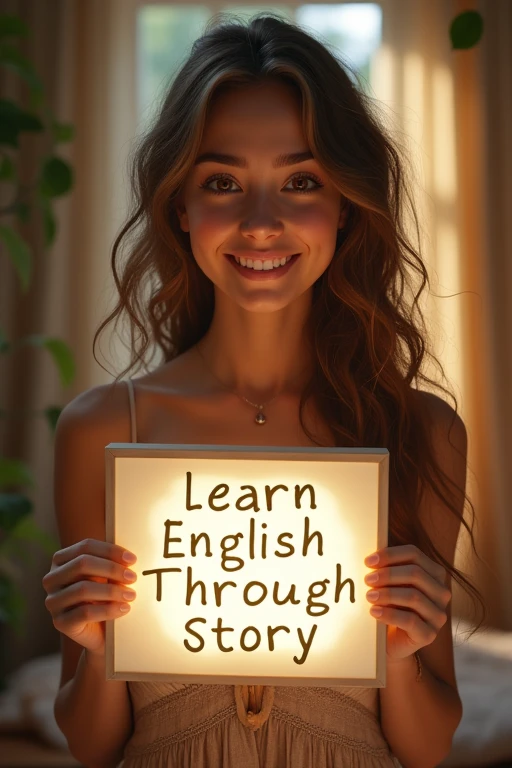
(483, 667)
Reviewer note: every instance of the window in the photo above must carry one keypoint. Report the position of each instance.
(165, 33)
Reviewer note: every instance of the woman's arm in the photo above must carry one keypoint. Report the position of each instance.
(419, 719)
(93, 713)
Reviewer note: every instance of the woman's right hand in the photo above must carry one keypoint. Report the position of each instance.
(86, 585)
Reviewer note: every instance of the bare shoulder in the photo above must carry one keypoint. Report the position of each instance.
(447, 425)
(102, 410)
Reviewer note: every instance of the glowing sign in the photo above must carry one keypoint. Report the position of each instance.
(250, 563)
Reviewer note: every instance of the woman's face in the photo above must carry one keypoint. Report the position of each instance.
(259, 207)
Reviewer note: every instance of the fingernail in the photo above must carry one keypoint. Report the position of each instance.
(373, 595)
(124, 608)
(375, 610)
(129, 576)
(128, 557)
(372, 560)
(128, 595)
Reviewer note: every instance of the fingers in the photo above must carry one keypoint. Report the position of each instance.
(420, 632)
(73, 623)
(93, 547)
(413, 601)
(89, 571)
(87, 591)
(416, 576)
(86, 586)
(86, 566)
(409, 553)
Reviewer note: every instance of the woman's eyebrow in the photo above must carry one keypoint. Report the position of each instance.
(240, 162)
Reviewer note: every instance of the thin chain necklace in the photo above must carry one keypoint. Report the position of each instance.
(260, 417)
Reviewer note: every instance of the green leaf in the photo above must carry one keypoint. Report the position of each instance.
(20, 253)
(63, 132)
(13, 508)
(4, 344)
(28, 530)
(12, 604)
(14, 472)
(56, 177)
(52, 414)
(64, 359)
(14, 120)
(466, 30)
(7, 169)
(22, 211)
(60, 352)
(49, 223)
(12, 25)
(12, 59)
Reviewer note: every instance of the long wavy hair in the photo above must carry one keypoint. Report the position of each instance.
(370, 342)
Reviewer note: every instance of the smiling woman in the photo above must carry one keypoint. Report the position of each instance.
(264, 149)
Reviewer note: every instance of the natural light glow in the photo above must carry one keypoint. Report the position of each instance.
(275, 588)
(354, 27)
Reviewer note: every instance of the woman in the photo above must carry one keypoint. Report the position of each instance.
(269, 271)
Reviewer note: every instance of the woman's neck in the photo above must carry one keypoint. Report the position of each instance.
(259, 354)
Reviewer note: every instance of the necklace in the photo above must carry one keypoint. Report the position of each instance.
(260, 417)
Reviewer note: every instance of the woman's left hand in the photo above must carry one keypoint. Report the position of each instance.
(413, 596)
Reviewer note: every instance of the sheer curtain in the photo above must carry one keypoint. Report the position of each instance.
(454, 111)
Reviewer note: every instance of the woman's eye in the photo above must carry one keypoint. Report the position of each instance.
(302, 177)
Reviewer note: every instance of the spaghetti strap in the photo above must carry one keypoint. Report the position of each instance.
(133, 418)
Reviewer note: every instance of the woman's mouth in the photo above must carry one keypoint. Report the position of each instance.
(261, 269)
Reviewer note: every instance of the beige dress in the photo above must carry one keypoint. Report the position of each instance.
(179, 725)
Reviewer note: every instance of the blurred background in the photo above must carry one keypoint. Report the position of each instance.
(79, 80)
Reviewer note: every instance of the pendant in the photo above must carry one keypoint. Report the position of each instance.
(260, 418)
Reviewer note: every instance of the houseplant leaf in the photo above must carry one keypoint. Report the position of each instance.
(20, 254)
(56, 177)
(60, 352)
(14, 120)
(12, 604)
(52, 413)
(12, 25)
(13, 508)
(28, 530)
(63, 132)
(14, 472)
(466, 30)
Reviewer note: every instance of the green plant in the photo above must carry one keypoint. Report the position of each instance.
(54, 179)
(466, 30)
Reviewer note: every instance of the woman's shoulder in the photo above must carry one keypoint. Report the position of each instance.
(102, 409)
(445, 425)
(439, 411)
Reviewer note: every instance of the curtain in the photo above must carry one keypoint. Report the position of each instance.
(84, 51)
(453, 110)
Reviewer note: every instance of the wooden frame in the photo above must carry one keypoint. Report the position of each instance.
(356, 479)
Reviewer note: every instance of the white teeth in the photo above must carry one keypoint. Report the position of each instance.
(260, 265)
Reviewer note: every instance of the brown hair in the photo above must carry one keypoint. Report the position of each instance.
(369, 342)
